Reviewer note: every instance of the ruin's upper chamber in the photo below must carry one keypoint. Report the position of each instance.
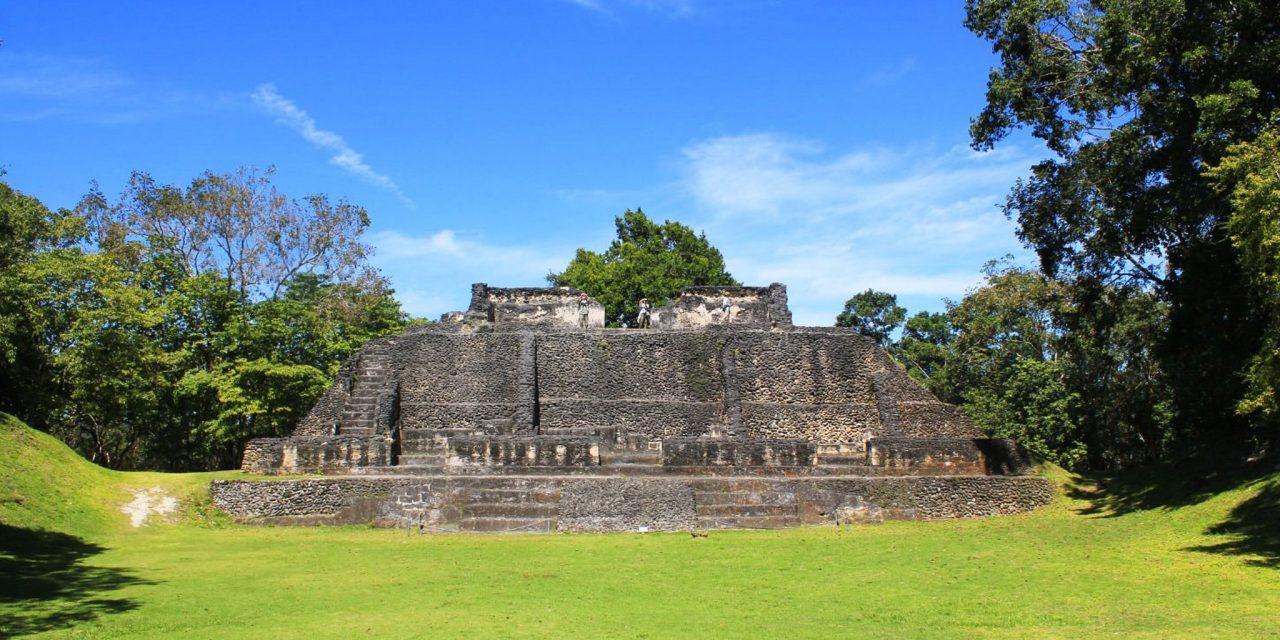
(567, 309)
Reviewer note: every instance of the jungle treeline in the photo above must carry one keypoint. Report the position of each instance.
(163, 328)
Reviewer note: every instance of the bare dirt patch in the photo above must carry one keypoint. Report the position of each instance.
(149, 503)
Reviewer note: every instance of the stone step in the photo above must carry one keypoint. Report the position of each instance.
(741, 510)
(419, 459)
(426, 448)
(438, 434)
(529, 510)
(347, 430)
(852, 460)
(507, 525)
(513, 495)
(743, 498)
(622, 456)
(749, 522)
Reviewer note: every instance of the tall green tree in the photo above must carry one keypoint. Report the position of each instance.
(874, 314)
(925, 348)
(42, 276)
(1136, 99)
(647, 260)
(166, 328)
(1250, 174)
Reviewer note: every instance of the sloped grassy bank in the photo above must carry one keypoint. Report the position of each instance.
(1159, 556)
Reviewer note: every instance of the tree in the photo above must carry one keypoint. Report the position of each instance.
(1068, 369)
(42, 270)
(874, 314)
(237, 224)
(1136, 99)
(1250, 174)
(925, 347)
(647, 260)
(165, 329)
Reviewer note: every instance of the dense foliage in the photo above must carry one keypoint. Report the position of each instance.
(1138, 100)
(1069, 373)
(167, 328)
(648, 260)
(872, 313)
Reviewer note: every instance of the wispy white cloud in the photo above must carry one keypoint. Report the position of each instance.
(346, 158)
(431, 271)
(36, 87)
(918, 222)
(890, 73)
(671, 8)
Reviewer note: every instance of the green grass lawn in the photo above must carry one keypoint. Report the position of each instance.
(1136, 560)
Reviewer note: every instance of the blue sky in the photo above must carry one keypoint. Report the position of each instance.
(819, 144)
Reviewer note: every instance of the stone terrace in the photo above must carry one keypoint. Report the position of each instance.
(524, 414)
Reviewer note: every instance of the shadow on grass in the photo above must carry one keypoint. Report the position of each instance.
(46, 585)
(1253, 526)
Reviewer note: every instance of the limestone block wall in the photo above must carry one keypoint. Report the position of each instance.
(316, 454)
(455, 380)
(810, 385)
(544, 451)
(907, 409)
(619, 504)
(644, 383)
(992, 456)
(532, 307)
(703, 452)
(749, 307)
(625, 504)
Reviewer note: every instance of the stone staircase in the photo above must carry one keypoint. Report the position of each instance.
(423, 449)
(745, 504)
(511, 509)
(359, 414)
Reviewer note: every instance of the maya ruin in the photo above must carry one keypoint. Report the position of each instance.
(526, 414)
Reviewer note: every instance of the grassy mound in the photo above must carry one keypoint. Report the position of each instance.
(45, 485)
(1163, 553)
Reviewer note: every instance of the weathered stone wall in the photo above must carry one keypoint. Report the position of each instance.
(930, 497)
(718, 452)
(325, 415)
(995, 456)
(749, 307)
(808, 384)
(310, 501)
(621, 504)
(935, 419)
(544, 451)
(316, 454)
(625, 504)
(907, 409)
(547, 308)
(452, 380)
(644, 383)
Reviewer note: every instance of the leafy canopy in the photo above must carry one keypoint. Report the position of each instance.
(647, 260)
(872, 313)
(1137, 99)
(164, 329)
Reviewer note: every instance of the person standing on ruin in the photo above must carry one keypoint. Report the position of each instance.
(584, 309)
(726, 307)
(642, 318)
